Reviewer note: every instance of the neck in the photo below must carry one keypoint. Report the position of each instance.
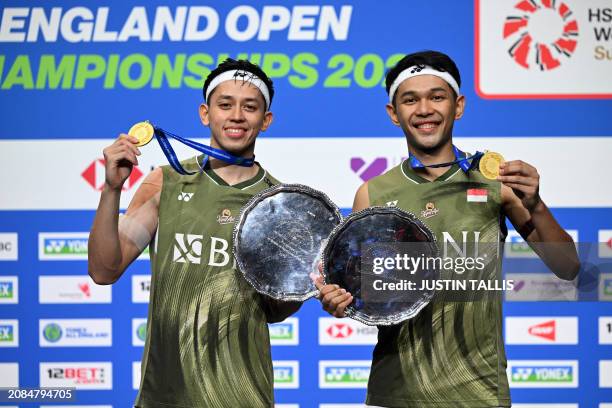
(440, 154)
(232, 173)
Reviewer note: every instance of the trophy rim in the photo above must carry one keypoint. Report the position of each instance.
(250, 205)
(350, 310)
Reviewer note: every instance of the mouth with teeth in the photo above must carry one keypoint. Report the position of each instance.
(234, 132)
(428, 127)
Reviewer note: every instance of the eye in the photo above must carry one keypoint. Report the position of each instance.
(250, 108)
(225, 105)
(438, 98)
(409, 100)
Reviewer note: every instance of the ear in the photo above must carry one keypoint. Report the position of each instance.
(203, 110)
(267, 121)
(460, 107)
(392, 114)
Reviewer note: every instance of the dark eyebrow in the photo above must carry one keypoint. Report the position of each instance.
(414, 93)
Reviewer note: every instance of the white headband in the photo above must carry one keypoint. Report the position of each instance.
(417, 70)
(240, 75)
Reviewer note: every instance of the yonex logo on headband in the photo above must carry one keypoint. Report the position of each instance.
(240, 75)
(417, 70)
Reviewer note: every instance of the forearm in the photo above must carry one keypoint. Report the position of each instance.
(554, 245)
(277, 311)
(104, 249)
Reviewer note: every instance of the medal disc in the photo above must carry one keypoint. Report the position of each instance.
(143, 131)
(489, 165)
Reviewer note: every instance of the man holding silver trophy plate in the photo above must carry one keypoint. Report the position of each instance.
(433, 351)
(207, 327)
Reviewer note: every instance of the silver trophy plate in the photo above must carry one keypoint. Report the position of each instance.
(278, 239)
(379, 232)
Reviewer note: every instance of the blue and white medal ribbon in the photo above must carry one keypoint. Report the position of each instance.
(465, 162)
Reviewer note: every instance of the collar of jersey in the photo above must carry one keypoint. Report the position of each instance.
(243, 184)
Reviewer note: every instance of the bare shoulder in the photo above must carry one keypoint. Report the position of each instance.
(362, 198)
(149, 191)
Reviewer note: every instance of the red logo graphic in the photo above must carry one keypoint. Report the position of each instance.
(544, 32)
(94, 175)
(546, 330)
(610, 243)
(84, 287)
(339, 330)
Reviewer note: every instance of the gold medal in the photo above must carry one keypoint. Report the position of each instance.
(143, 131)
(489, 165)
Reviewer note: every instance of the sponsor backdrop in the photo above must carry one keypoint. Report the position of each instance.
(73, 74)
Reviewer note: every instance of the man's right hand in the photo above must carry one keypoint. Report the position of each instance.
(334, 299)
(120, 158)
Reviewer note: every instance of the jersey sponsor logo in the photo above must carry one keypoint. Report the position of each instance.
(185, 197)
(286, 374)
(540, 34)
(285, 333)
(8, 246)
(188, 248)
(541, 330)
(469, 240)
(139, 332)
(75, 332)
(430, 210)
(9, 333)
(81, 375)
(477, 195)
(136, 374)
(344, 373)
(516, 247)
(543, 373)
(94, 175)
(9, 290)
(605, 286)
(605, 330)
(62, 246)
(141, 288)
(345, 332)
(225, 217)
(605, 374)
(9, 375)
(540, 286)
(72, 289)
(367, 171)
(605, 244)
(391, 203)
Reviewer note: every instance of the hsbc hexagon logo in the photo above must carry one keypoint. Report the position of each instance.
(94, 175)
(541, 33)
(338, 332)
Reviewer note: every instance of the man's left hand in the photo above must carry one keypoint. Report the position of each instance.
(524, 180)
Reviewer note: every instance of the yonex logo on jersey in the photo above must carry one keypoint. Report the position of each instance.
(185, 196)
(188, 248)
(391, 203)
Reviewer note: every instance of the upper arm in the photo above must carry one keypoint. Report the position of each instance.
(138, 225)
(362, 198)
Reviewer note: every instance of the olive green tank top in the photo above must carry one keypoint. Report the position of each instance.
(207, 342)
(451, 354)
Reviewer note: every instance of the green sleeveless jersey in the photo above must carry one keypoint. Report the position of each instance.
(451, 354)
(207, 342)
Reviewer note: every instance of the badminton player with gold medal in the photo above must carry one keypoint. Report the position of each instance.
(489, 164)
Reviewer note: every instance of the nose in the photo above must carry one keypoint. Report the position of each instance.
(424, 107)
(237, 114)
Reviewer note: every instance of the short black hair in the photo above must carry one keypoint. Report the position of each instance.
(243, 65)
(434, 59)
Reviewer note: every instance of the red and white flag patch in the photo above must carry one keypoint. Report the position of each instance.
(477, 195)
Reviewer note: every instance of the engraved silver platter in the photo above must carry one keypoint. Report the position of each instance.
(278, 239)
(379, 231)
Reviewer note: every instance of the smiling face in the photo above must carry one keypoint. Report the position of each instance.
(235, 113)
(426, 109)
